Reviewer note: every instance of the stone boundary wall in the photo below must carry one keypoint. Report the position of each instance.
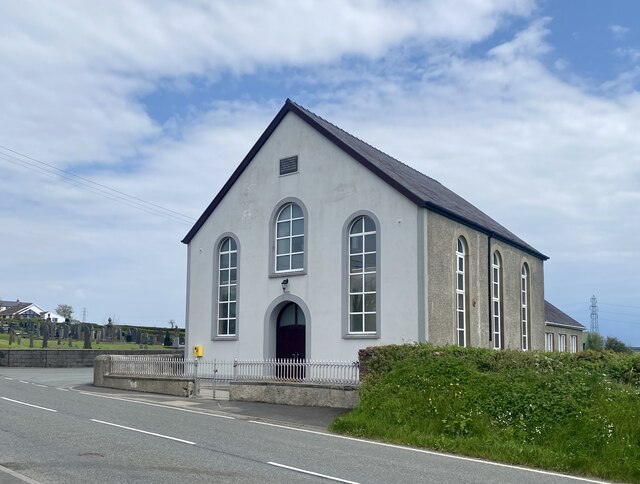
(307, 394)
(313, 395)
(71, 358)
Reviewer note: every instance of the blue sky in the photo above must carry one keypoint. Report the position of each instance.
(530, 110)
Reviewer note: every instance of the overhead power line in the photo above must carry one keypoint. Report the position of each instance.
(33, 164)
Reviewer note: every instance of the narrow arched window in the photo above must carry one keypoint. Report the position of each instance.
(461, 293)
(496, 299)
(362, 276)
(227, 287)
(289, 242)
(524, 305)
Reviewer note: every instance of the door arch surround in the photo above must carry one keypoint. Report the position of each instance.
(271, 324)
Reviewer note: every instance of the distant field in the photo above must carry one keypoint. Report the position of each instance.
(76, 344)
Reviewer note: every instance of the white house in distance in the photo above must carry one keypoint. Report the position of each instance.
(16, 310)
(320, 245)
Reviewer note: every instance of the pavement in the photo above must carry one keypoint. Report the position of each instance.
(318, 418)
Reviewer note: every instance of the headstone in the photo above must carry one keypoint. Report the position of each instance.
(10, 337)
(87, 338)
(45, 335)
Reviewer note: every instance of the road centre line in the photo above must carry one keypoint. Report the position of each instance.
(431, 452)
(303, 471)
(228, 417)
(29, 404)
(38, 385)
(22, 381)
(143, 431)
(7, 378)
(17, 475)
(62, 389)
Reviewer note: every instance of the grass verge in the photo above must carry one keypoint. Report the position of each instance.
(575, 413)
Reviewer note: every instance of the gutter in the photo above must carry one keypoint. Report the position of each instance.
(559, 325)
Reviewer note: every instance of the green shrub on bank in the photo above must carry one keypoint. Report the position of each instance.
(577, 413)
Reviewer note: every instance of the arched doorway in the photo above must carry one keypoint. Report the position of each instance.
(291, 332)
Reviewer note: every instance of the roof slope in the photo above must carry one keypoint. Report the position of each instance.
(553, 315)
(419, 188)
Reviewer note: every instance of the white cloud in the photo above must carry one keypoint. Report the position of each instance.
(555, 163)
(618, 31)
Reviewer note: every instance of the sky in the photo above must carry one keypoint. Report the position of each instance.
(528, 109)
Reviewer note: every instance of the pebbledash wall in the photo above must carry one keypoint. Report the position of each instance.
(50, 358)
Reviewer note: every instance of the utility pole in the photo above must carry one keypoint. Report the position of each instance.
(595, 327)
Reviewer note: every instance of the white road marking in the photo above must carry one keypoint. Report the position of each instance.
(156, 405)
(38, 385)
(62, 389)
(7, 378)
(22, 381)
(430, 452)
(28, 404)
(303, 471)
(144, 432)
(18, 475)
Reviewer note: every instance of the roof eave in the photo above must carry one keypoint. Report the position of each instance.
(237, 172)
(569, 326)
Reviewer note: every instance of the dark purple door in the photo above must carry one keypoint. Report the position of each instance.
(291, 333)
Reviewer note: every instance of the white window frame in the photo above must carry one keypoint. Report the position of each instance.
(562, 343)
(496, 299)
(573, 343)
(225, 317)
(290, 253)
(367, 273)
(548, 341)
(461, 313)
(524, 306)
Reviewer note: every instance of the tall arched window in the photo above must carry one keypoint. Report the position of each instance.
(227, 287)
(496, 299)
(461, 293)
(524, 304)
(362, 276)
(289, 235)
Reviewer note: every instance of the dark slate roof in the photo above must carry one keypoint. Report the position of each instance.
(13, 307)
(552, 315)
(419, 188)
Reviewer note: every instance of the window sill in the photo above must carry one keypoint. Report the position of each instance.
(225, 338)
(361, 336)
(275, 275)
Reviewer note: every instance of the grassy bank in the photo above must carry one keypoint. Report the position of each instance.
(575, 413)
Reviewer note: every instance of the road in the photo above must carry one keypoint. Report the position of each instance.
(53, 433)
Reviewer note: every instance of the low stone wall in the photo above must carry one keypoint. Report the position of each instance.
(71, 358)
(180, 387)
(311, 395)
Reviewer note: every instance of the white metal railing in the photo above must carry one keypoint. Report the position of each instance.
(134, 365)
(278, 370)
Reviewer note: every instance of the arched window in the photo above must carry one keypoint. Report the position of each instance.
(362, 276)
(496, 299)
(227, 287)
(524, 304)
(289, 239)
(461, 293)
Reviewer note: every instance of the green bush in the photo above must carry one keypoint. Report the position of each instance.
(576, 413)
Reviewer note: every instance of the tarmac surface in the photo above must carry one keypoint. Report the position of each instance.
(299, 416)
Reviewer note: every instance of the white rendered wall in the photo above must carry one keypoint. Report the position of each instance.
(332, 186)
